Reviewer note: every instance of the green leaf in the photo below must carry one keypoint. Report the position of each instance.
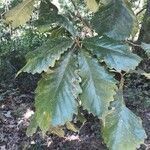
(67, 24)
(96, 82)
(32, 127)
(56, 95)
(57, 31)
(122, 129)
(20, 14)
(46, 55)
(115, 54)
(48, 15)
(115, 20)
(81, 118)
(146, 47)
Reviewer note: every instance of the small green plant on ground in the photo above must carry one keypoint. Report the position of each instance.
(87, 45)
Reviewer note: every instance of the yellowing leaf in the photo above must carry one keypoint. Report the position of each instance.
(20, 14)
(92, 5)
(72, 127)
(57, 131)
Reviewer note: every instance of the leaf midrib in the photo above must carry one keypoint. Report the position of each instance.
(91, 76)
(61, 79)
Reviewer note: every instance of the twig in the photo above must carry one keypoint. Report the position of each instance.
(80, 17)
(72, 1)
(140, 11)
(78, 42)
(132, 44)
(122, 80)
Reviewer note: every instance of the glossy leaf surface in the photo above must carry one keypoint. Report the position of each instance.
(45, 56)
(96, 81)
(115, 54)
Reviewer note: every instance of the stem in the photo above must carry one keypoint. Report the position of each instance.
(132, 44)
(122, 80)
(78, 42)
(140, 11)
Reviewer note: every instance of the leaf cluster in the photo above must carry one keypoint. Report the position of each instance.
(78, 62)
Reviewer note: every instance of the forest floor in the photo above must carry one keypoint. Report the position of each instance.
(17, 104)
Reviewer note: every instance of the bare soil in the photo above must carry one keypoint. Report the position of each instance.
(17, 104)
